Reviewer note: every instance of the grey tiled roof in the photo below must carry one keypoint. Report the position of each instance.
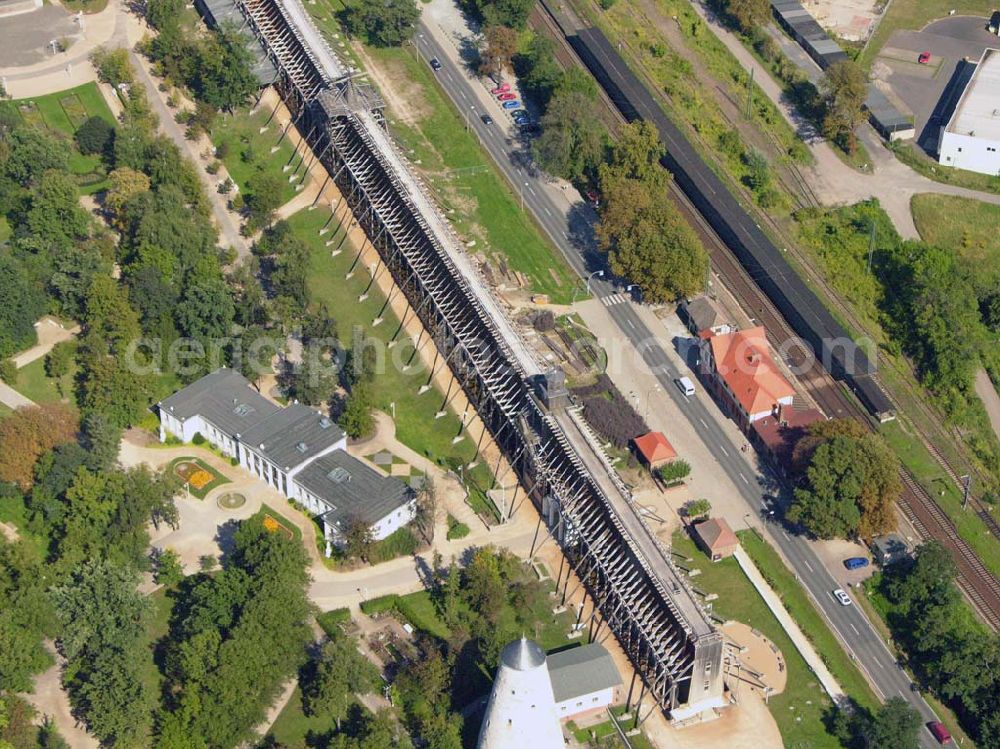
(292, 436)
(352, 488)
(225, 398)
(579, 671)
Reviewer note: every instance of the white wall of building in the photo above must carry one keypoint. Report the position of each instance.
(969, 152)
(395, 520)
(590, 701)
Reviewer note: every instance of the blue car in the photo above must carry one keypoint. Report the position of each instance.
(512, 105)
(855, 563)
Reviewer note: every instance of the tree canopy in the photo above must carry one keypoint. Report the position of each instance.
(844, 89)
(382, 23)
(849, 488)
(646, 239)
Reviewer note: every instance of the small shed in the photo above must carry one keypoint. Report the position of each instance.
(889, 548)
(654, 449)
(716, 538)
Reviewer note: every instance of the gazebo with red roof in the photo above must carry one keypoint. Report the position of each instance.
(654, 449)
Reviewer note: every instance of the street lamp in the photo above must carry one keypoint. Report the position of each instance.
(523, 185)
(598, 273)
(591, 276)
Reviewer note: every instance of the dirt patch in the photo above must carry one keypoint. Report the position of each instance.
(403, 98)
(762, 664)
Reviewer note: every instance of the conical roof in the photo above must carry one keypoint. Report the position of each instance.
(522, 655)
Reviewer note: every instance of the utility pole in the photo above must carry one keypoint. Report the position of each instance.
(749, 94)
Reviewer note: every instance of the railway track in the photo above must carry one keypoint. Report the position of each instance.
(976, 582)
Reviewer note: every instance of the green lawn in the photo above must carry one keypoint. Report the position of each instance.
(801, 607)
(479, 202)
(799, 710)
(249, 150)
(5, 411)
(915, 158)
(268, 511)
(965, 225)
(292, 725)
(33, 383)
(157, 625)
(416, 425)
(64, 112)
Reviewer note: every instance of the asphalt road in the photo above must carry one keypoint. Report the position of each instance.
(568, 229)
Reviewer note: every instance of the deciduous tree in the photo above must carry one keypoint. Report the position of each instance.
(844, 89)
(499, 48)
(381, 23)
(28, 433)
(850, 488)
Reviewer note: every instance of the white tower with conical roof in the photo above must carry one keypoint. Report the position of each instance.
(521, 713)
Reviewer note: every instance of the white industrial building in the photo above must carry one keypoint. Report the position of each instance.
(295, 450)
(971, 140)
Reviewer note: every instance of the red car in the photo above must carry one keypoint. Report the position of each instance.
(924, 58)
(501, 89)
(939, 732)
(507, 96)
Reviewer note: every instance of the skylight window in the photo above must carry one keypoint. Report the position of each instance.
(243, 410)
(301, 447)
(339, 475)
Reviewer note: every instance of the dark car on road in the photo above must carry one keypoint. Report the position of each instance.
(487, 120)
(435, 63)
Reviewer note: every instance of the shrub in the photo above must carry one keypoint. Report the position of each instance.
(8, 370)
(328, 621)
(94, 136)
(698, 508)
(613, 418)
(380, 605)
(456, 528)
(399, 543)
(675, 472)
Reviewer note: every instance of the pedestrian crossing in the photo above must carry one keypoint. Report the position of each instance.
(611, 299)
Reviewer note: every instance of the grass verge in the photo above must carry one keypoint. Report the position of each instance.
(911, 155)
(809, 619)
(928, 472)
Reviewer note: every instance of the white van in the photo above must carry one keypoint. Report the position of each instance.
(685, 385)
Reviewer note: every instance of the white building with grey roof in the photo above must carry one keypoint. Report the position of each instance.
(296, 450)
(971, 139)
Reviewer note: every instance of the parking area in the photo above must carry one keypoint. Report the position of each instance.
(27, 38)
(929, 90)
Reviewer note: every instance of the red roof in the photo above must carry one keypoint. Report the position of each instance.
(779, 434)
(654, 447)
(743, 361)
(716, 534)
